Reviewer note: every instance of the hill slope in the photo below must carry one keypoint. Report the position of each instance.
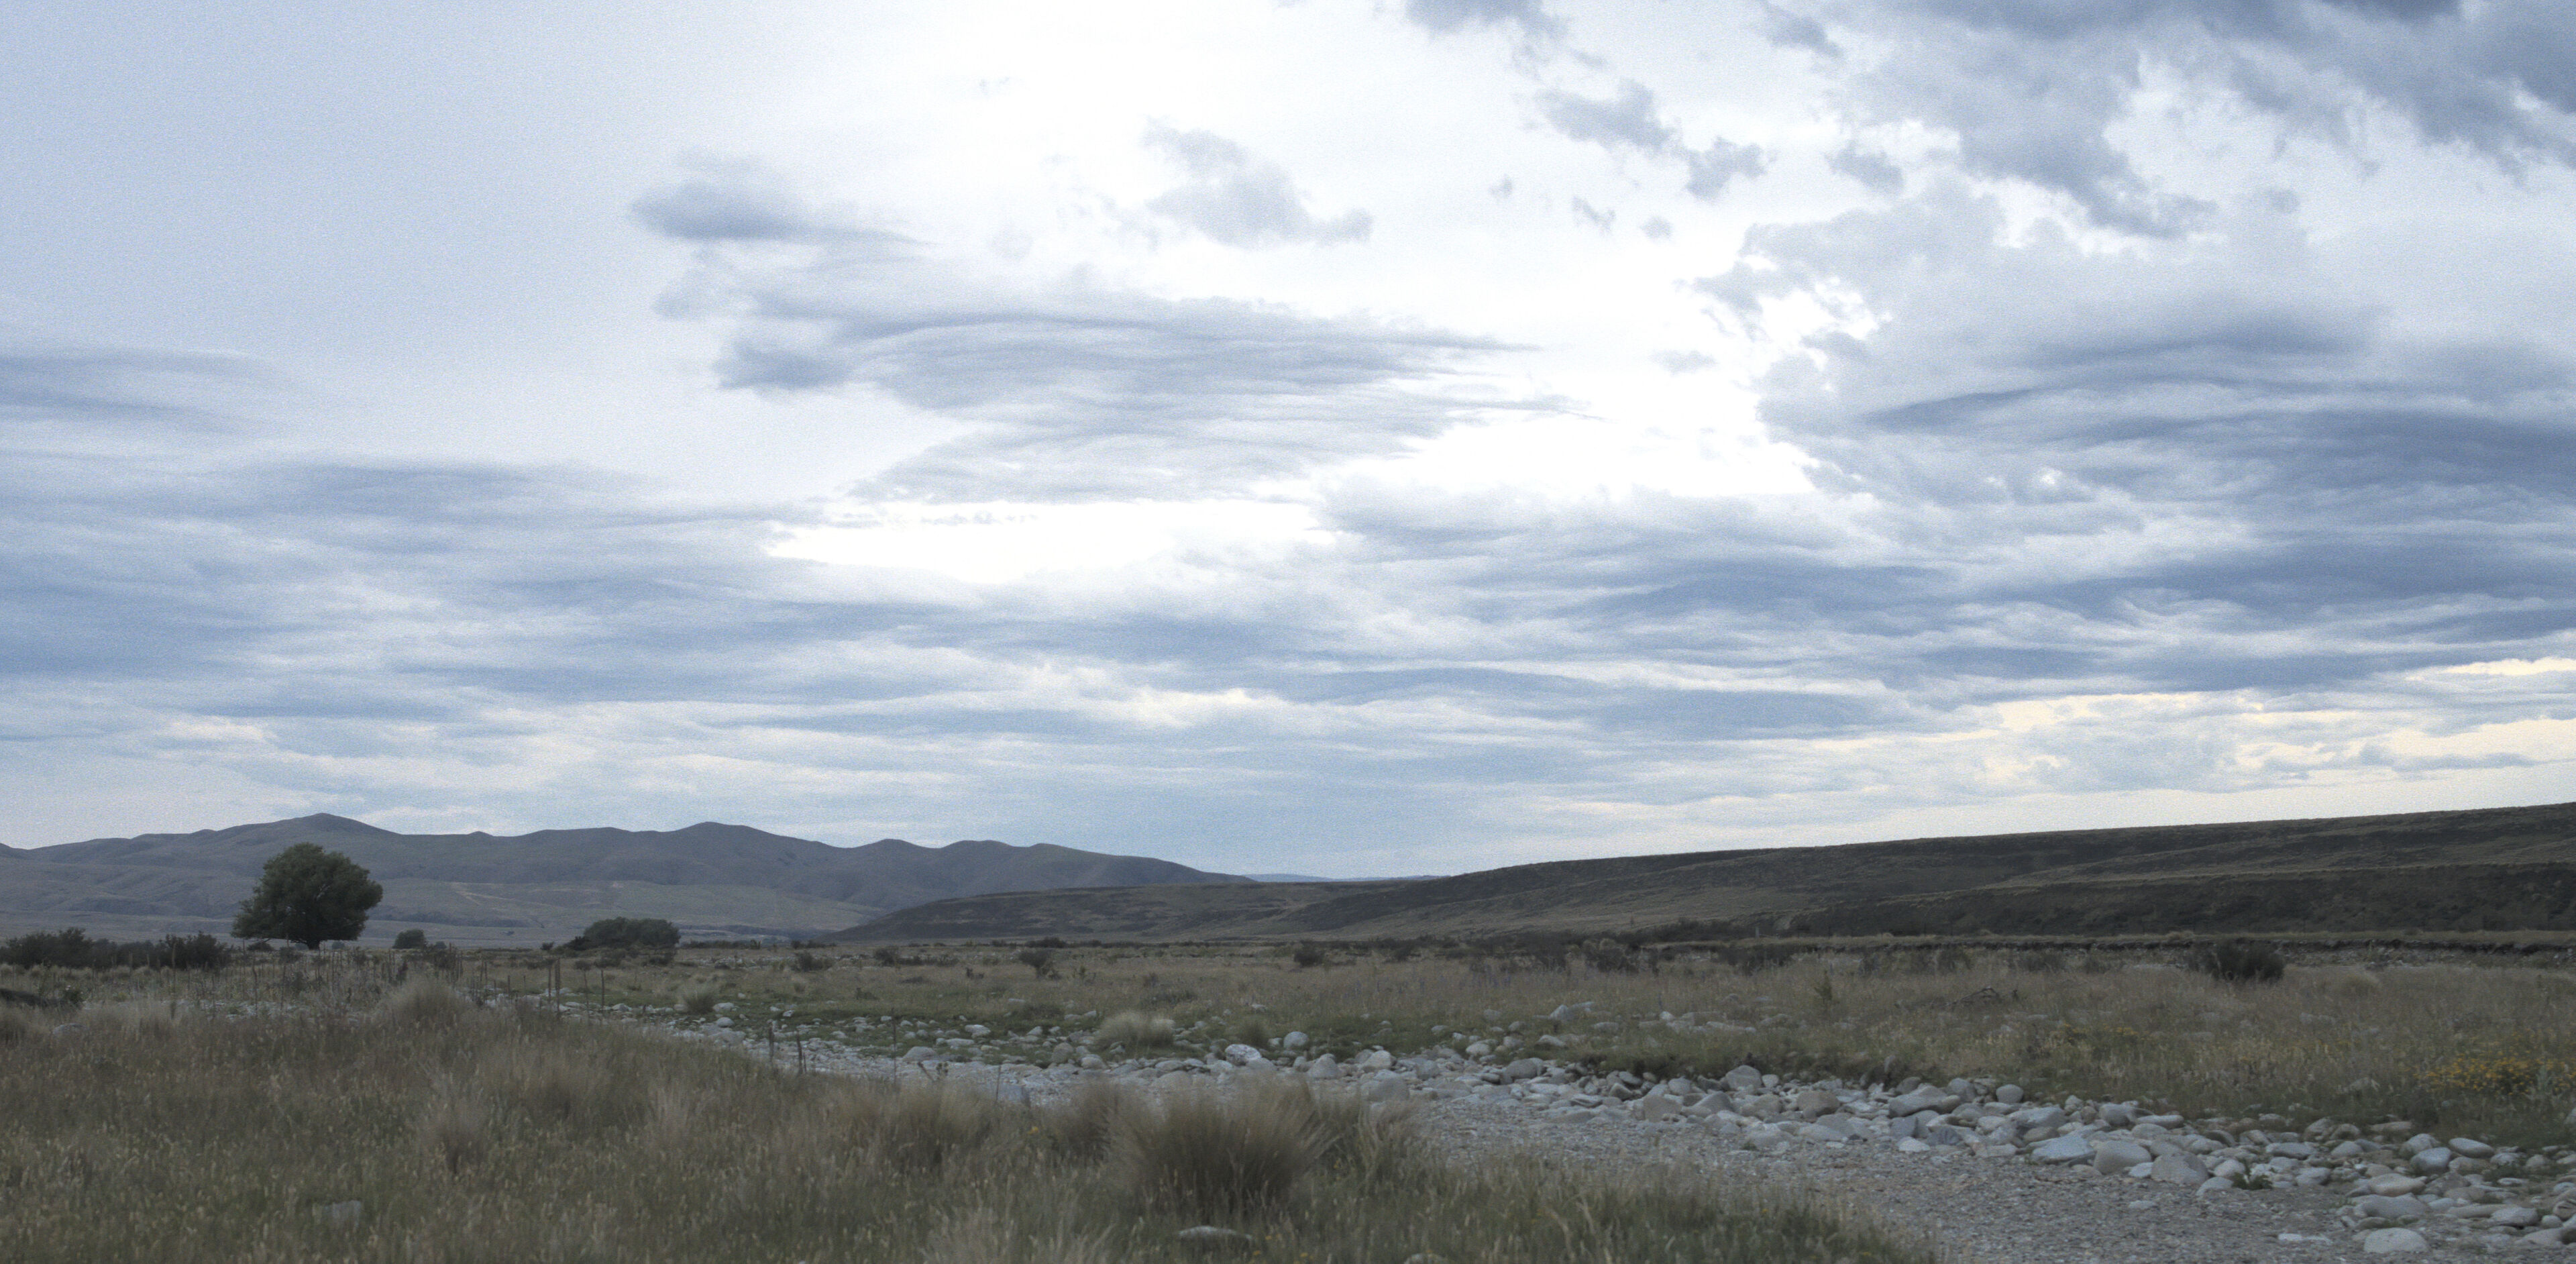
(709, 878)
(2492, 868)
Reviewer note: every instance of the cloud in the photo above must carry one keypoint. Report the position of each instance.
(1239, 200)
(1075, 390)
(1631, 120)
(71, 389)
(1444, 16)
(1628, 118)
(2030, 89)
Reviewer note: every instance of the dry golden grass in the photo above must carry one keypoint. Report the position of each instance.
(506, 1133)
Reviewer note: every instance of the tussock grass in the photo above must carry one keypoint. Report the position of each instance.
(1138, 1032)
(508, 1134)
(1212, 1154)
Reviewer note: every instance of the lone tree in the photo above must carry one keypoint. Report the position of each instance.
(307, 895)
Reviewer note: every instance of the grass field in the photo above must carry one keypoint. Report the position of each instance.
(2471, 1044)
(413, 1124)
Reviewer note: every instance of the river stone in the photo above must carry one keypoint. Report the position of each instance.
(1324, 1068)
(2180, 1169)
(2432, 1162)
(2114, 1156)
(2393, 1242)
(1744, 1079)
(2038, 1117)
(1526, 1069)
(1387, 1086)
(1293, 1041)
(2062, 1150)
(2009, 1095)
(2392, 1208)
(1653, 1107)
(2395, 1185)
(1374, 1060)
(2514, 1218)
(2470, 1148)
(2119, 1115)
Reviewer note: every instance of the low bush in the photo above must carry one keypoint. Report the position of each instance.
(73, 949)
(410, 938)
(2240, 961)
(626, 932)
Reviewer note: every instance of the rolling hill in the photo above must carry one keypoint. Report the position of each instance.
(709, 878)
(2484, 869)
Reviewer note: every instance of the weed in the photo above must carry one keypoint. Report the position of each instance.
(2240, 961)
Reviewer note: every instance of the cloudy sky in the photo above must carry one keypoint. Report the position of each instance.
(1331, 436)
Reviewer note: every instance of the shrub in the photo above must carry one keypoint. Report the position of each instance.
(1038, 960)
(1206, 1154)
(73, 949)
(812, 963)
(1136, 1031)
(1609, 956)
(1308, 956)
(424, 1003)
(415, 937)
(700, 999)
(626, 932)
(2240, 961)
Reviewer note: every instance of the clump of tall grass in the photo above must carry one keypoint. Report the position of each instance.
(424, 1003)
(920, 1127)
(1206, 1153)
(455, 1124)
(1135, 1030)
(699, 998)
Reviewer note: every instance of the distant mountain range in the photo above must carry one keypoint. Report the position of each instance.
(2485, 869)
(711, 879)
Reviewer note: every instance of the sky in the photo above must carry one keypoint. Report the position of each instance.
(1338, 437)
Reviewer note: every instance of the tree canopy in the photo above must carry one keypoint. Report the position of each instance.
(307, 895)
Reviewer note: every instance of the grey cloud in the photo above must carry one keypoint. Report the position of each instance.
(1722, 161)
(1077, 391)
(1239, 200)
(71, 387)
(2333, 504)
(2030, 87)
(1796, 30)
(1599, 219)
(733, 205)
(1873, 170)
(1629, 118)
(1444, 16)
(1656, 228)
